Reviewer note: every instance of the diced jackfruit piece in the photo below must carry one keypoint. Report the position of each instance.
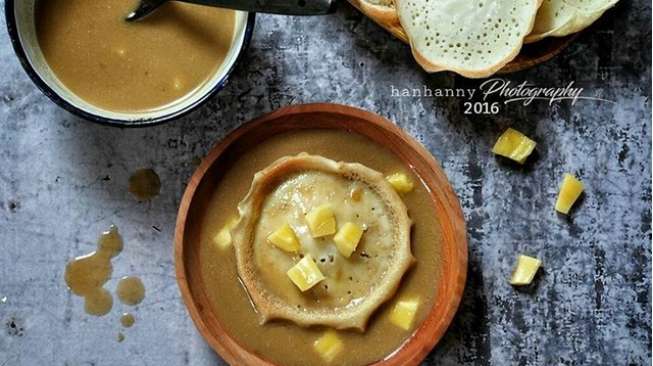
(329, 345)
(347, 238)
(525, 270)
(403, 313)
(285, 239)
(514, 145)
(305, 274)
(570, 190)
(223, 238)
(400, 182)
(321, 221)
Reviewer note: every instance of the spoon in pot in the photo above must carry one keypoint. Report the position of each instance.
(285, 7)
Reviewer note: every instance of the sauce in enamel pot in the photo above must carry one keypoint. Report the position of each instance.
(139, 66)
(283, 342)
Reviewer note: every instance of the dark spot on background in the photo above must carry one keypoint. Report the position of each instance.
(14, 327)
(13, 206)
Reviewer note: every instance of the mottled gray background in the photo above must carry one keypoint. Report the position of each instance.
(63, 180)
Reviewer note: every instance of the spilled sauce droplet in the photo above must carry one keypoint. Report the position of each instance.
(130, 290)
(86, 275)
(127, 320)
(98, 302)
(144, 184)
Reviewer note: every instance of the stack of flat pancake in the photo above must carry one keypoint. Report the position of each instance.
(476, 38)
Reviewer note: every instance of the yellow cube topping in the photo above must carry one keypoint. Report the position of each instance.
(329, 345)
(403, 313)
(525, 270)
(321, 221)
(570, 190)
(513, 145)
(400, 182)
(285, 239)
(223, 238)
(305, 274)
(347, 238)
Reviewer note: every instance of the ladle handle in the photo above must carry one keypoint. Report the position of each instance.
(285, 7)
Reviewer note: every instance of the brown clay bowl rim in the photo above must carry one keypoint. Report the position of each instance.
(427, 335)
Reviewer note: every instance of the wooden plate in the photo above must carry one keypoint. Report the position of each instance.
(531, 54)
(323, 116)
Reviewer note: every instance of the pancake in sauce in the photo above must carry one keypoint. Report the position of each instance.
(303, 189)
(229, 300)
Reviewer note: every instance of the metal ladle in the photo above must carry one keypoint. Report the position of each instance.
(286, 7)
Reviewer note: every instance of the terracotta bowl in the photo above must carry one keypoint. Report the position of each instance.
(329, 116)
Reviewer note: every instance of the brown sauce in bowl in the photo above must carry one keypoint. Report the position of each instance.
(139, 66)
(284, 343)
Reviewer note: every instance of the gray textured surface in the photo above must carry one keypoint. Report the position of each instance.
(63, 180)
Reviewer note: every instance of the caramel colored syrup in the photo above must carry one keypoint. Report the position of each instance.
(127, 320)
(132, 66)
(144, 184)
(86, 275)
(130, 290)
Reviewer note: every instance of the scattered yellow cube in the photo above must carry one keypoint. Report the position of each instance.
(329, 345)
(285, 239)
(305, 274)
(525, 270)
(400, 182)
(403, 313)
(570, 190)
(223, 238)
(514, 145)
(321, 221)
(347, 238)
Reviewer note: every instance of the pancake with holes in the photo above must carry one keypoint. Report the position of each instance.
(472, 38)
(321, 242)
(559, 18)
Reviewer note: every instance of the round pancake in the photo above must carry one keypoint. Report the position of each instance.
(472, 38)
(559, 18)
(354, 287)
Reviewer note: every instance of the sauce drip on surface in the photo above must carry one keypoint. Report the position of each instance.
(144, 184)
(130, 290)
(127, 320)
(86, 275)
